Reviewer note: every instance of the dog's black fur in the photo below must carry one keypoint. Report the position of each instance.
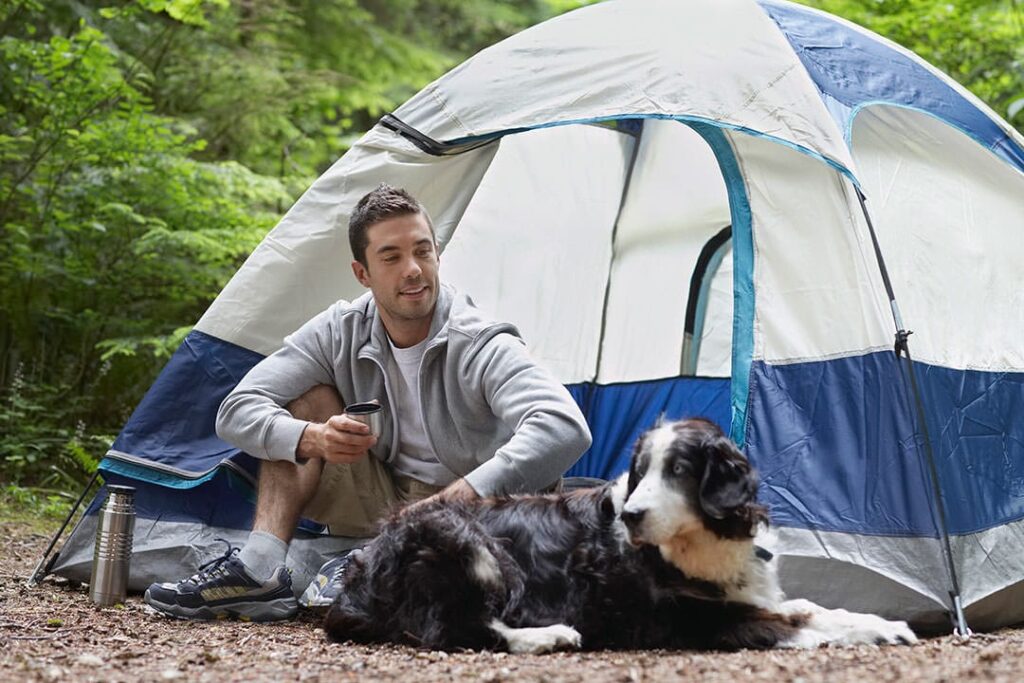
(563, 559)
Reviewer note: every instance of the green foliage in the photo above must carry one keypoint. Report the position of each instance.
(283, 86)
(40, 443)
(146, 146)
(186, 11)
(114, 236)
(980, 43)
(35, 506)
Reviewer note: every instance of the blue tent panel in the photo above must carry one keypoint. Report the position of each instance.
(854, 69)
(225, 501)
(173, 426)
(837, 449)
(974, 420)
(619, 413)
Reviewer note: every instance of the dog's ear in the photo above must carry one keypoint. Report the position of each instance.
(634, 466)
(729, 484)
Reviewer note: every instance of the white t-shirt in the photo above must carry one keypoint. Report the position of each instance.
(416, 458)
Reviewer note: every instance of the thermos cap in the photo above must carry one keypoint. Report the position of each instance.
(121, 490)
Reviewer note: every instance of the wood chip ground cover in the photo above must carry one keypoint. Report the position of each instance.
(52, 632)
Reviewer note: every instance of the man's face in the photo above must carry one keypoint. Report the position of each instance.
(401, 269)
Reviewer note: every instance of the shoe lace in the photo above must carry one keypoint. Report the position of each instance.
(215, 567)
(342, 566)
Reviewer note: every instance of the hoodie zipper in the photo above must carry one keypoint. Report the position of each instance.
(423, 421)
(391, 406)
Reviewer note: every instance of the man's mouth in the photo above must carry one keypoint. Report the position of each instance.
(413, 292)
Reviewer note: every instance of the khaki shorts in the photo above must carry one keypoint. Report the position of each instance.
(353, 499)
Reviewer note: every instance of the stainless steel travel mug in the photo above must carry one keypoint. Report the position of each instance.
(112, 556)
(369, 413)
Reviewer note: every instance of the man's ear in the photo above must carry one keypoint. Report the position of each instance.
(359, 270)
(728, 483)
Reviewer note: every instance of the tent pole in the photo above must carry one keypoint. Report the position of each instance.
(42, 569)
(902, 348)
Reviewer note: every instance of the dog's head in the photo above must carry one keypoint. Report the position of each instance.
(685, 475)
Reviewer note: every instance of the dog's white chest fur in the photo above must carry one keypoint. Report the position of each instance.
(731, 564)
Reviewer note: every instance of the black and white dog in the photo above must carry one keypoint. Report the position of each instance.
(663, 557)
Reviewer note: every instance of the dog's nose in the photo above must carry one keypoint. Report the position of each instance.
(633, 518)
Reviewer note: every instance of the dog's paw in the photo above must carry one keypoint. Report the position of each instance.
(878, 631)
(840, 627)
(539, 639)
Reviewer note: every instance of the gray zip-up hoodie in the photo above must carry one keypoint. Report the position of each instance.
(491, 413)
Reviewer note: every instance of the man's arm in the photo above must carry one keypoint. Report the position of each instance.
(253, 417)
(549, 431)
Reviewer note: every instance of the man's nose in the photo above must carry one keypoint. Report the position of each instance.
(412, 269)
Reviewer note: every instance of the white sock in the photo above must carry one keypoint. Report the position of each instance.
(263, 554)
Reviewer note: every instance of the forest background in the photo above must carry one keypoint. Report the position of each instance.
(147, 146)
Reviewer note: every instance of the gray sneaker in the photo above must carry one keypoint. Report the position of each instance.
(221, 589)
(328, 581)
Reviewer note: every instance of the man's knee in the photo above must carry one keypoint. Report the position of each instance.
(317, 405)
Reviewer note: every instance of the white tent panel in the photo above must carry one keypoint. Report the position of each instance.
(715, 357)
(646, 310)
(986, 561)
(534, 245)
(819, 291)
(654, 57)
(676, 187)
(676, 201)
(949, 215)
(304, 264)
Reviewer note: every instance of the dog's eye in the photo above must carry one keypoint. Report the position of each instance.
(678, 469)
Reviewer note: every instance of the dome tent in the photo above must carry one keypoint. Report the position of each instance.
(666, 199)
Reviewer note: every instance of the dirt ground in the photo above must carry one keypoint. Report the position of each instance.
(52, 632)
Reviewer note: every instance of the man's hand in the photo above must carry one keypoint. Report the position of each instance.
(457, 490)
(339, 440)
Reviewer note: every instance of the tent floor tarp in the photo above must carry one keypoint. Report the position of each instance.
(170, 551)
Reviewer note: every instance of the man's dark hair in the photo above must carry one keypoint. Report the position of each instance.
(378, 205)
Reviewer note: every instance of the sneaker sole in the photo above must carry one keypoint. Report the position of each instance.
(273, 610)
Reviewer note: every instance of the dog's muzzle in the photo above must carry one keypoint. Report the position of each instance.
(634, 520)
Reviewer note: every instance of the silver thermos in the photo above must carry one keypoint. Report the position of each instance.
(112, 556)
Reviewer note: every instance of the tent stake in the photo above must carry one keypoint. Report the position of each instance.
(902, 348)
(42, 569)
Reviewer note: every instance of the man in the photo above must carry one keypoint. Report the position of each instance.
(467, 413)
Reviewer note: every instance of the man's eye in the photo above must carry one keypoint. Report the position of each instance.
(391, 259)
